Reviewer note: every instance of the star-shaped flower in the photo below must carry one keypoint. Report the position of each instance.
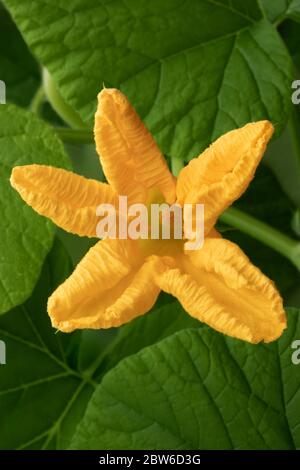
(119, 280)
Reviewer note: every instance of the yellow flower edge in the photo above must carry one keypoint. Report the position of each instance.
(118, 280)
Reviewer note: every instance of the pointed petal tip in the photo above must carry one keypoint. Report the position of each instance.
(16, 171)
(278, 330)
(108, 92)
(14, 176)
(248, 334)
(111, 104)
(23, 173)
(110, 96)
(52, 307)
(263, 129)
(17, 176)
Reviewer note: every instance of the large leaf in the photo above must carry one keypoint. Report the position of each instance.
(278, 10)
(42, 396)
(18, 69)
(198, 390)
(26, 237)
(193, 69)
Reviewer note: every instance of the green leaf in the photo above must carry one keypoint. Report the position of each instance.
(275, 9)
(198, 390)
(162, 321)
(293, 10)
(278, 10)
(290, 32)
(190, 80)
(19, 70)
(42, 397)
(26, 237)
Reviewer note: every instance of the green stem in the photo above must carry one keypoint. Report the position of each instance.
(63, 109)
(74, 136)
(176, 165)
(264, 233)
(37, 100)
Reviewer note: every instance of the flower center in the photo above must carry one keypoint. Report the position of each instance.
(165, 226)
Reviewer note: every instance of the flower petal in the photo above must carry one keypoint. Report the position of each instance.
(66, 198)
(223, 172)
(130, 158)
(219, 286)
(109, 287)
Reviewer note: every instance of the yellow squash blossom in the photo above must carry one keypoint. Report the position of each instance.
(119, 280)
